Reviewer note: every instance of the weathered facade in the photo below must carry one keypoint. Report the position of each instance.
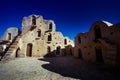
(41, 36)
(101, 44)
(38, 38)
(10, 33)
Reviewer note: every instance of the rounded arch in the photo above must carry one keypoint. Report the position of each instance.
(65, 41)
(58, 50)
(39, 33)
(97, 32)
(33, 20)
(102, 24)
(29, 49)
(100, 49)
(17, 54)
(50, 26)
(50, 37)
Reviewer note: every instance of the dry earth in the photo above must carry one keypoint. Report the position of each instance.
(55, 68)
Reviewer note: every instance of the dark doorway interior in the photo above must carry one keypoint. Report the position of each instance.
(58, 50)
(17, 52)
(50, 26)
(9, 36)
(97, 33)
(79, 53)
(49, 37)
(70, 51)
(99, 56)
(29, 50)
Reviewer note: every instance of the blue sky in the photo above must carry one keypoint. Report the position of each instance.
(70, 16)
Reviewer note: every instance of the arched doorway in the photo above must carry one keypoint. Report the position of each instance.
(99, 56)
(29, 50)
(17, 53)
(50, 26)
(97, 32)
(9, 36)
(39, 33)
(49, 37)
(58, 48)
(33, 20)
(65, 41)
(79, 53)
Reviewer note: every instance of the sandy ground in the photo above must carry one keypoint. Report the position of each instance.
(55, 68)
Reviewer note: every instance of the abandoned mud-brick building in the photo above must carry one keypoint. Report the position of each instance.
(38, 38)
(101, 44)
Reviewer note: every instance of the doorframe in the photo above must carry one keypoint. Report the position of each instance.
(31, 48)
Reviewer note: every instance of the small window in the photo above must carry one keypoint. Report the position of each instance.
(9, 36)
(50, 26)
(39, 33)
(79, 40)
(33, 20)
(65, 41)
(49, 37)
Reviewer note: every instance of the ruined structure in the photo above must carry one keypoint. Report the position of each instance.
(101, 44)
(38, 38)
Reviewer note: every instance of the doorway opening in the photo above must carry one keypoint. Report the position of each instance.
(29, 50)
(97, 32)
(99, 56)
(9, 36)
(79, 53)
(58, 50)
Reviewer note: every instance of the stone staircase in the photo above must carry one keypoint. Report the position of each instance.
(111, 50)
(12, 47)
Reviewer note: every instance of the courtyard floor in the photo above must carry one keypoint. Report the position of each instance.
(55, 68)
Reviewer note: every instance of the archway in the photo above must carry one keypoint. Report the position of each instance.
(50, 26)
(33, 20)
(79, 53)
(97, 32)
(49, 37)
(9, 36)
(65, 41)
(17, 53)
(99, 56)
(39, 33)
(29, 50)
(58, 50)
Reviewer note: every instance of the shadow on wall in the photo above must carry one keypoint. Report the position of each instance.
(68, 50)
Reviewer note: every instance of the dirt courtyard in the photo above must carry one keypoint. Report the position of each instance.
(54, 68)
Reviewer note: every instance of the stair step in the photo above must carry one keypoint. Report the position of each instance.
(13, 46)
(7, 54)
(11, 49)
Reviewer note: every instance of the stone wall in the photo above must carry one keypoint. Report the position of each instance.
(100, 44)
(43, 37)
